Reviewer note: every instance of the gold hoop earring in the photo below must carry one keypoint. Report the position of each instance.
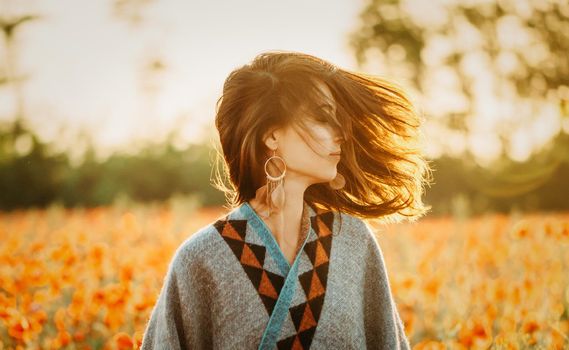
(275, 195)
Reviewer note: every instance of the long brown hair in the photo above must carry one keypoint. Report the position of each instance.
(381, 159)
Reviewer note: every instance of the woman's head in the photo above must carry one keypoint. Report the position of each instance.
(304, 108)
(307, 140)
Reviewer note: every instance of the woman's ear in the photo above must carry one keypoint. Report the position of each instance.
(271, 138)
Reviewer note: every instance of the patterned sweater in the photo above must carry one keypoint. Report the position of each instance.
(229, 286)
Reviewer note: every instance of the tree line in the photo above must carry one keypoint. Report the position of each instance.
(32, 175)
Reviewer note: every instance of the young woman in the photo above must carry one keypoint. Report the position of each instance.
(310, 151)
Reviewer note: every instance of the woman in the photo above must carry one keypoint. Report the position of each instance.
(310, 151)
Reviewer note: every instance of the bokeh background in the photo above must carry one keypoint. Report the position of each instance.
(108, 150)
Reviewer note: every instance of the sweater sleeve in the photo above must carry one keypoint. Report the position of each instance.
(181, 317)
(383, 326)
(165, 328)
(403, 341)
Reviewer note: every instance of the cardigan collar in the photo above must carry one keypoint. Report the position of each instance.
(308, 213)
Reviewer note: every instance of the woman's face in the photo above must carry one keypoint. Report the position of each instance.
(313, 164)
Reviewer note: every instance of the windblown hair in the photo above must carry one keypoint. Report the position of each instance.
(381, 159)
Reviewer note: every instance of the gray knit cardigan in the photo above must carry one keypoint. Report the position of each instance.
(229, 286)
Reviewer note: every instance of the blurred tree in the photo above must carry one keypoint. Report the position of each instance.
(501, 63)
(31, 174)
(154, 173)
(509, 40)
(9, 25)
(513, 53)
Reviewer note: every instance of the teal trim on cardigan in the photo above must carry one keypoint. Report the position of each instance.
(267, 237)
(276, 320)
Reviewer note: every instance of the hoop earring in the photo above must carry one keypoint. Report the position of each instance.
(275, 195)
(338, 182)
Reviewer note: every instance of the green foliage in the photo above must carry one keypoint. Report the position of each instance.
(542, 26)
(538, 184)
(31, 175)
(38, 177)
(458, 54)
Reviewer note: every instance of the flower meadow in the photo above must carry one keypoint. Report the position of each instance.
(88, 278)
(489, 282)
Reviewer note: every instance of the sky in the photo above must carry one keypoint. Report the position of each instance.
(87, 69)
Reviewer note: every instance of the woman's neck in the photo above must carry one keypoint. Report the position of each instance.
(285, 224)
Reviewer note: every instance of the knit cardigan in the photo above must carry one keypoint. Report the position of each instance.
(229, 286)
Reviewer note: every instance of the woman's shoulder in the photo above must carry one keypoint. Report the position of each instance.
(355, 227)
(206, 243)
(201, 246)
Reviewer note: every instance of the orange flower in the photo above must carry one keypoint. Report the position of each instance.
(79, 336)
(475, 334)
(530, 326)
(98, 252)
(19, 329)
(432, 285)
(442, 274)
(63, 338)
(506, 342)
(59, 319)
(114, 319)
(429, 345)
(137, 338)
(123, 341)
(408, 283)
(126, 273)
(565, 230)
(99, 296)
